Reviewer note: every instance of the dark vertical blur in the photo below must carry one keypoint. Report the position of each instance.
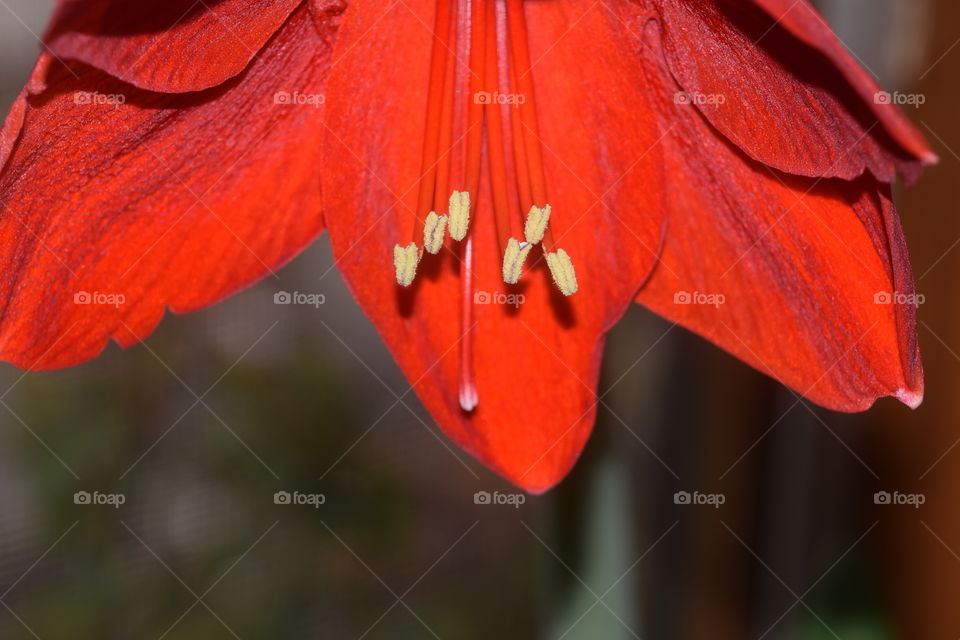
(919, 553)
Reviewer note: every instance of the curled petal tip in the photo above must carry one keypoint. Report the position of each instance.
(912, 399)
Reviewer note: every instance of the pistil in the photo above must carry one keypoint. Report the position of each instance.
(406, 258)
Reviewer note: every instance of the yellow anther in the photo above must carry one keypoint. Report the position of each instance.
(405, 261)
(561, 267)
(536, 224)
(433, 230)
(513, 259)
(459, 214)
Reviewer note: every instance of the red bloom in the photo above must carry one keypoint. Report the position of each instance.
(721, 151)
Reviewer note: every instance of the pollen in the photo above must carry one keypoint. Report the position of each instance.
(564, 275)
(536, 224)
(513, 259)
(433, 230)
(459, 214)
(405, 261)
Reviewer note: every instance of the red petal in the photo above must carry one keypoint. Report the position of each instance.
(107, 198)
(171, 46)
(796, 266)
(14, 121)
(803, 21)
(536, 365)
(781, 102)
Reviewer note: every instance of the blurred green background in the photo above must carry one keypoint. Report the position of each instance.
(224, 413)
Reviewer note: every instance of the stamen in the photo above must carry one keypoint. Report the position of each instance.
(564, 275)
(433, 229)
(445, 142)
(508, 140)
(478, 43)
(560, 264)
(460, 108)
(405, 261)
(459, 214)
(530, 134)
(536, 225)
(435, 100)
(495, 152)
(519, 146)
(513, 259)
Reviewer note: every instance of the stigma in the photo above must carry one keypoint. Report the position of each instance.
(480, 53)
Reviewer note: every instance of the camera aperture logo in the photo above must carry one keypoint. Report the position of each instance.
(896, 297)
(99, 298)
(296, 98)
(299, 298)
(914, 100)
(699, 499)
(299, 499)
(685, 97)
(699, 298)
(496, 498)
(512, 99)
(86, 498)
(97, 98)
(915, 500)
(499, 298)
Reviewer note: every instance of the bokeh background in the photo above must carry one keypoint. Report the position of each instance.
(197, 430)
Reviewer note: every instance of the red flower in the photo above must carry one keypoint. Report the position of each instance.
(722, 162)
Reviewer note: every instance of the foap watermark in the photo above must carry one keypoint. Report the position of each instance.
(299, 298)
(497, 297)
(296, 98)
(496, 498)
(99, 298)
(900, 99)
(896, 498)
(896, 297)
(512, 99)
(699, 499)
(97, 98)
(686, 97)
(296, 498)
(699, 298)
(95, 498)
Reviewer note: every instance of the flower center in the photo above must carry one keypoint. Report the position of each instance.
(481, 94)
